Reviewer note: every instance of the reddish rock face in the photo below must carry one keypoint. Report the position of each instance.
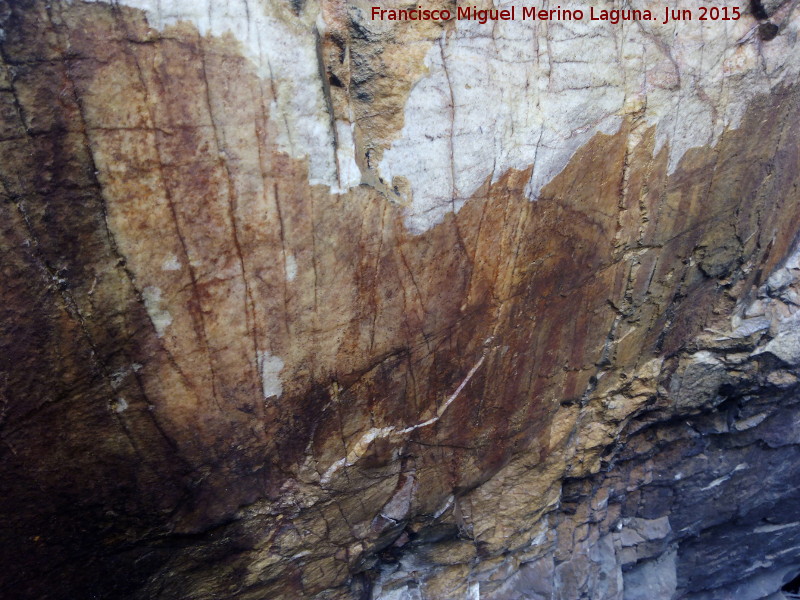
(221, 380)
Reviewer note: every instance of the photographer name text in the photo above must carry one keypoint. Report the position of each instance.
(532, 13)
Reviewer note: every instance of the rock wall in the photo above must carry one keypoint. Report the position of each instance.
(300, 304)
(696, 499)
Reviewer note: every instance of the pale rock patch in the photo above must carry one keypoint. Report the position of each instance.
(270, 367)
(158, 314)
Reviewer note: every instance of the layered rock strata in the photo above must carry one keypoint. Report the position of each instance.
(697, 497)
(262, 337)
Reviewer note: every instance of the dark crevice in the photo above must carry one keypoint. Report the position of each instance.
(758, 10)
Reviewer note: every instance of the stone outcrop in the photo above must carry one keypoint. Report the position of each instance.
(697, 497)
(300, 304)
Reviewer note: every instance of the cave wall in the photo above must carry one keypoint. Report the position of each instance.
(261, 337)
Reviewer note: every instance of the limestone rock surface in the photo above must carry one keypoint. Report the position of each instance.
(297, 303)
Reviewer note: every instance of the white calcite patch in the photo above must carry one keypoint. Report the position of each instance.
(291, 267)
(359, 448)
(724, 478)
(270, 367)
(349, 175)
(171, 263)
(284, 53)
(158, 314)
(473, 592)
(511, 94)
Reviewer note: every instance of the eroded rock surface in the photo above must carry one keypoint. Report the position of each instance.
(272, 326)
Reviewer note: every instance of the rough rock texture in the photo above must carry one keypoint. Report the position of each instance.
(695, 500)
(298, 304)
